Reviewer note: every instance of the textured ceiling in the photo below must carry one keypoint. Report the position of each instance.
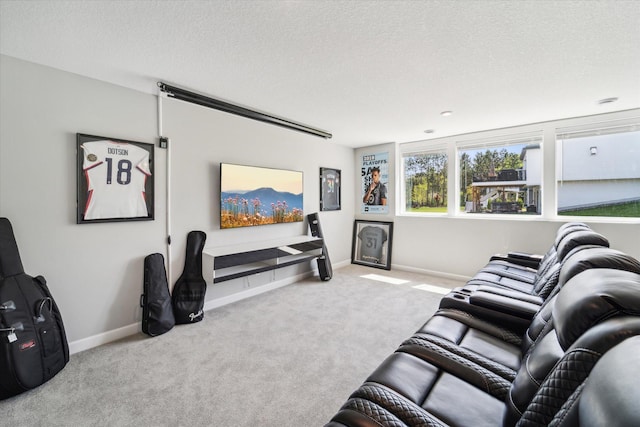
(367, 71)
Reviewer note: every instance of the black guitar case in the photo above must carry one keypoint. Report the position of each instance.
(157, 311)
(188, 292)
(33, 343)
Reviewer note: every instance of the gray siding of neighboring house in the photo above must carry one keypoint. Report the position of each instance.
(610, 176)
(584, 194)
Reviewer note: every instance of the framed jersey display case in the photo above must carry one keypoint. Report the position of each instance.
(371, 243)
(330, 189)
(114, 180)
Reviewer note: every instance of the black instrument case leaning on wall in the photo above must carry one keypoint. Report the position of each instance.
(189, 290)
(33, 343)
(157, 311)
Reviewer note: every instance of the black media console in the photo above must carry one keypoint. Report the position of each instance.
(232, 262)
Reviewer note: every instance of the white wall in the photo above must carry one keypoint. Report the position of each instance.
(95, 271)
(201, 139)
(460, 246)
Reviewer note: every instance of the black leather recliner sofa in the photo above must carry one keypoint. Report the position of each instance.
(467, 367)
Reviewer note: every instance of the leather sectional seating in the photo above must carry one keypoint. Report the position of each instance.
(467, 367)
(581, 249)
(511, 275)
(530, 265)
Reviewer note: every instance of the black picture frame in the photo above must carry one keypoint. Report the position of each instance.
(115, 180)
(330, 189)
(372, 243)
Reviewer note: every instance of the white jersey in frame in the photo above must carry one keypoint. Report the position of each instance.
(116, 174)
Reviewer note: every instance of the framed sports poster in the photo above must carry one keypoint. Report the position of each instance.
(372, 243)
(114, 180)
(375, 183)
(330, 189)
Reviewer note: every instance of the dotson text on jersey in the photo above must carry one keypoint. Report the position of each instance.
(118, 151)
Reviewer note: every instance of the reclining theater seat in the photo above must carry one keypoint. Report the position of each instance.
(432, 380)
(528, 261)
(579, 260)
(601, 401)
(495, 345)
(527, 267)
(516, 309)
(503, 342)
(573, 238)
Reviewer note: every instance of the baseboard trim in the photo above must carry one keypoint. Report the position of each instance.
(341, 264)
(125, 331)
(104, 338)
(431, 272)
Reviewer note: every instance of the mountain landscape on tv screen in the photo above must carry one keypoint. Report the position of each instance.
(259, 207)
(267, 197)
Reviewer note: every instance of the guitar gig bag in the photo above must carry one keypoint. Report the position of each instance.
(157, 312)
(33, 343)
(189, 290)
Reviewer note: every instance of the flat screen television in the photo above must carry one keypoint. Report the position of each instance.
(251, 195)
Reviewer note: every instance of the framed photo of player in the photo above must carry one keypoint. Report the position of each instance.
(330, 189)
(371, 243)
(114, 180)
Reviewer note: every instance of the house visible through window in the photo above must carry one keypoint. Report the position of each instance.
(598, 171)
(501, 176)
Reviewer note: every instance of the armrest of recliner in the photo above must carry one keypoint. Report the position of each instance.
(504, 304)
(520, 258)
(504, 307)
(509, 293)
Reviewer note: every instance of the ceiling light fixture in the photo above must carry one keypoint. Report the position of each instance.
(429, 130)
(607, 100)
(446, 113)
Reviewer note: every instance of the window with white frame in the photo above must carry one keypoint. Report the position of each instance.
(424, 181)
(598, 171)
(501, 175)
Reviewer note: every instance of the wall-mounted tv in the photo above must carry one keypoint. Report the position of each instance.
(251, 195)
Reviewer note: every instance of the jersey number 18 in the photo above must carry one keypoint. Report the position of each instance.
(123, 175)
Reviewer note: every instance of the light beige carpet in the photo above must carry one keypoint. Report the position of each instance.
(288, 357)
